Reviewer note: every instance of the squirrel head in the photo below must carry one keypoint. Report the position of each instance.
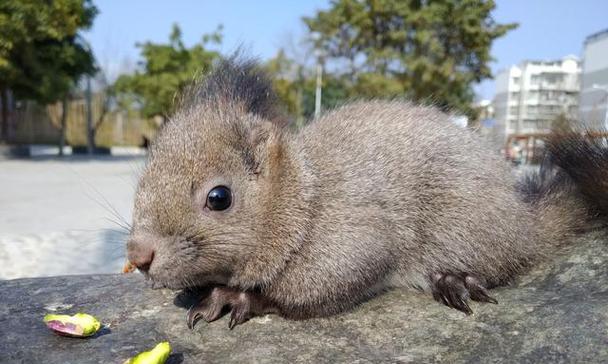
(210, 180)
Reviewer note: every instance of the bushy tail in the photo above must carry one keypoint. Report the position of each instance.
(584, 160)
(571, 188)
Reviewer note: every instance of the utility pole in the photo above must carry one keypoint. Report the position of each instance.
(316, 37)
(318, 88)
(90, 135)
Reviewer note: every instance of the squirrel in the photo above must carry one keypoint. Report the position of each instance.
(367, 197)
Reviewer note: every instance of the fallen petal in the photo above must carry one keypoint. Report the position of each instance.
(158, 355)
(78, 325)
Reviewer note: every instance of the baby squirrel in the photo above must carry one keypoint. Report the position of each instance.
(369, 196)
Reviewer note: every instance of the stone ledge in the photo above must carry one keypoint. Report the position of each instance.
(557, 313)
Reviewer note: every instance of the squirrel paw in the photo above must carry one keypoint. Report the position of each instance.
(244, 305)
(455, 290)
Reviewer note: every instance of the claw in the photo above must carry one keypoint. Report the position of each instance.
(239, 314)
(243, 305)
(455, 291)
(477, 291)
(193, 316)
(232, 323)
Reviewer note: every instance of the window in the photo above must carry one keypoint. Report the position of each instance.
(549, 95)
(544, 124)
(552, 78)
(529, 124)
(534, 80)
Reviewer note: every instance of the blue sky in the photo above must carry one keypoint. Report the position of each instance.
(548, 28)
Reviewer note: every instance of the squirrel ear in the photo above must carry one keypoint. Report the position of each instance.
(266, 147)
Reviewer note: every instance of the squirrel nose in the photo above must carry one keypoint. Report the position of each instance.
(140, 255)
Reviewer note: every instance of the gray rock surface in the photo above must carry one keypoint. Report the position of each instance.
(557, 313)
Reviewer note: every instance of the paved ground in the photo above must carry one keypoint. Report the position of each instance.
(57, 215)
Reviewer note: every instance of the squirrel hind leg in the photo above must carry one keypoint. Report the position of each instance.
(455, 290)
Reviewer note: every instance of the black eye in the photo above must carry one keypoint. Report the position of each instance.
(219, 198)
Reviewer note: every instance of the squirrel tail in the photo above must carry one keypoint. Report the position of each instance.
(584, 160)
(570, 190)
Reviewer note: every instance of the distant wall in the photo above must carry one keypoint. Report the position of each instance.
(31, 123)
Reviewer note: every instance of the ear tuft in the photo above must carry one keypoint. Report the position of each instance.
(237, 80)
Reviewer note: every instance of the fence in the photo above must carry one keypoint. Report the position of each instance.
(31, 123)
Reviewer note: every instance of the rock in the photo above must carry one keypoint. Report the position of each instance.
(557, 313)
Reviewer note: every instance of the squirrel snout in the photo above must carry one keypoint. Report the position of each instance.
(140, 254)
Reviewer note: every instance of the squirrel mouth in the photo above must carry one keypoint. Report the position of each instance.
(202, 281)
(149, 280)
(159, 284)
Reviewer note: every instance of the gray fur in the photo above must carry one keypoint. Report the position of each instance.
(371, 195)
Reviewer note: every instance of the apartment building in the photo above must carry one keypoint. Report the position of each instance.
(593, 102)
(531, 95)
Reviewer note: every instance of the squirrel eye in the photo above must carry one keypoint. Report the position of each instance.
(219, 198)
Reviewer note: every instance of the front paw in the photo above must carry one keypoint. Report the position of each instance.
(455, 290)
(243, 306)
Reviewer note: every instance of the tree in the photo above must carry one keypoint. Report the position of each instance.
(166, 70)
(98, 106)
(294, 84)
(42, 55)
(429, 51)
(286, 77)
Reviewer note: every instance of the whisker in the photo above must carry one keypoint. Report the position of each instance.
(106, 204)
(125, 229)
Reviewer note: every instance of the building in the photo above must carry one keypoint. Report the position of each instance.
(531, 95)
(593, 103)
(486, 125)
(485, 109)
